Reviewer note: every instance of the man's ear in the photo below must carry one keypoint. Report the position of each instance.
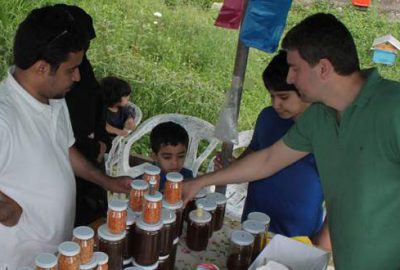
(326, 68)
(41, 67)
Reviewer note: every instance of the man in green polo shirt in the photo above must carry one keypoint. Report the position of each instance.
(353, 130)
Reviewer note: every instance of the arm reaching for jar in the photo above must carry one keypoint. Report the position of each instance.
(254, 166)
(10, 211)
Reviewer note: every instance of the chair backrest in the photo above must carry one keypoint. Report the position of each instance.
(197, 129)
(138, 113)
(244, 139)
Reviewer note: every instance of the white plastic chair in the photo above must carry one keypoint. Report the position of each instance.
(198, 130)
(138, 113)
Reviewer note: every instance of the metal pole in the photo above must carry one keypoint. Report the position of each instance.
(238, 76)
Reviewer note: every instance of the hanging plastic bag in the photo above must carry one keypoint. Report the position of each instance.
(230, 14)
(226, 127)
(263, 23)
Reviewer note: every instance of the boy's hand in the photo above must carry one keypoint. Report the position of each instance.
(123, 132)
(218, 161)
(10, 211)
(102, 151)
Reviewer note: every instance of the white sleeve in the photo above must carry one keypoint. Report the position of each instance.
(5, 148)
(71, 137)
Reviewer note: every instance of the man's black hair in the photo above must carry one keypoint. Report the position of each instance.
(274, 75)
(114, 89)
(49, 33)
(322, 36)
(168, 133)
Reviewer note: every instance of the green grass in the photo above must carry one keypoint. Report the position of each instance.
(182, 63)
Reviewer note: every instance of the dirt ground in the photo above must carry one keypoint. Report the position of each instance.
(390, 8)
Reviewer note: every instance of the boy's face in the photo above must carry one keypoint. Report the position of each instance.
(287, 104)
(124, 101)
(170, 157)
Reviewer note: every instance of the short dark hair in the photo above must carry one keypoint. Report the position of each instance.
(50, 34)
(274, 75)
(114, 89)
(168, 133)
(323, 36)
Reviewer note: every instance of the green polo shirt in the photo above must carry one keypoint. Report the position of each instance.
(358, 159)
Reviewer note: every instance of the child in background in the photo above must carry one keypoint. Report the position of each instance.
(119, 115)
(169, 142)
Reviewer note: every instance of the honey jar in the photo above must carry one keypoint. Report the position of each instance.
(152, 172)
(173, 187)
(68, 256)
(84, 237)
(46, 261)
(152, 208)
(139, 188)
(116, 216)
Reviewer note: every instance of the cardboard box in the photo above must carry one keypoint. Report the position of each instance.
(291, 253)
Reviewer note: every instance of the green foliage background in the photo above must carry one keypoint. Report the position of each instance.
(180, 62)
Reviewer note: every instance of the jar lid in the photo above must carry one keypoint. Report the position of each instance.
(139, 184)
(45, 260)
(172, 206)
(219, 198)
(155, 197)
(69, 248)
(101, 257)
(264, 218)
(253, 226)
(167, 216)
(174, 177)
(130, 217)
(242, 238)
(127, 261)
(149, 267)
(148, 227)
(152, 169)
(176, 240)
(105, 234)
(201, 194)
(163, 258)
(206, 217)
(118, 205)
(90, 265)
(83, 232)
(209, 204)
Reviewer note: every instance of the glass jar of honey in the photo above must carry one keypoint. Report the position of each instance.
(172, 256)
(152, 172)
(178, 210)
(116, 216)
(68, 256)
(257, 229)
(219, 214)
(168, 231)
(210, 206)
(241, 249)
(147, 242)
(198, 229)
(152, 207)
(173, 187)
(192, 204)
(113, 245)
(46, 261)
(101, 260)
(91, 265)
(139, 188)
(84, 237)
(264, 219)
